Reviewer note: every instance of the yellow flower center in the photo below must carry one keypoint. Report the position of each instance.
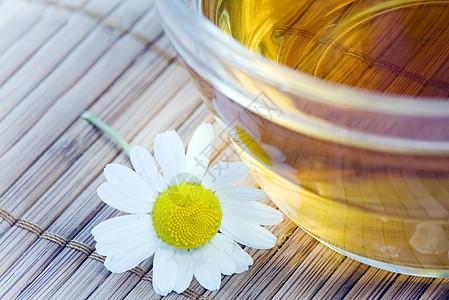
(186, 215)
(253, 146)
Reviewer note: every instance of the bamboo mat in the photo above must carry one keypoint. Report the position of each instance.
(59, 58)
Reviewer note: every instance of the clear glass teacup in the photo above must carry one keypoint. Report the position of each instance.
(365, 173)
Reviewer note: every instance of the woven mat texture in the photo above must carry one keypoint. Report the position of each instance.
(59, 58)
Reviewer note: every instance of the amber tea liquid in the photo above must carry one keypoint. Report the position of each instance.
(386, 207)
(397, 47)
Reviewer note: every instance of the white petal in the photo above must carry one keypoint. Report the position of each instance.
(199, 151)
(242, 260)
(127, 246)
(224, 262)
(239, 193)
(145, 166)
(125, 200)
(157, 290)
(127, 179)
(170, 154)
(183, 177)
(224, 243)
(128, 260)
(252, 211)
(121, 228)
(185, 270)
(247, 233)
(165, 270)
(205, 270)
(240, 268)
(224, 174)
(143, 162)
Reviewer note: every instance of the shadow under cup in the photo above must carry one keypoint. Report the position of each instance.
(364, 173)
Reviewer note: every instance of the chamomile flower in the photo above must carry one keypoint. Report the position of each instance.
(189, 218)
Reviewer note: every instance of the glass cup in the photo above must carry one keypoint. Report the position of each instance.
(364, 173)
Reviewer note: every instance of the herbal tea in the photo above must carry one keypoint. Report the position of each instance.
(397, 47)
(383, 205)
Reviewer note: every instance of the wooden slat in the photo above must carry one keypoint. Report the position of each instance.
(408, 287)
(67, 109)
(312, 273)
(16, 55)
(66, 83)
(71, 183)
(66, 262)
(16, 17)
(149, 28)
(48, 57)
(64, 111)
(61, 155)
(372, 284)
(141, 291)
(439, 289)
(342, 280)
(76, 3)
(130, 12)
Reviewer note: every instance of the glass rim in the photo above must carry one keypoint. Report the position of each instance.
(293, 81)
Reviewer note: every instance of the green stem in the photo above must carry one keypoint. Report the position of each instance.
(108, 130)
